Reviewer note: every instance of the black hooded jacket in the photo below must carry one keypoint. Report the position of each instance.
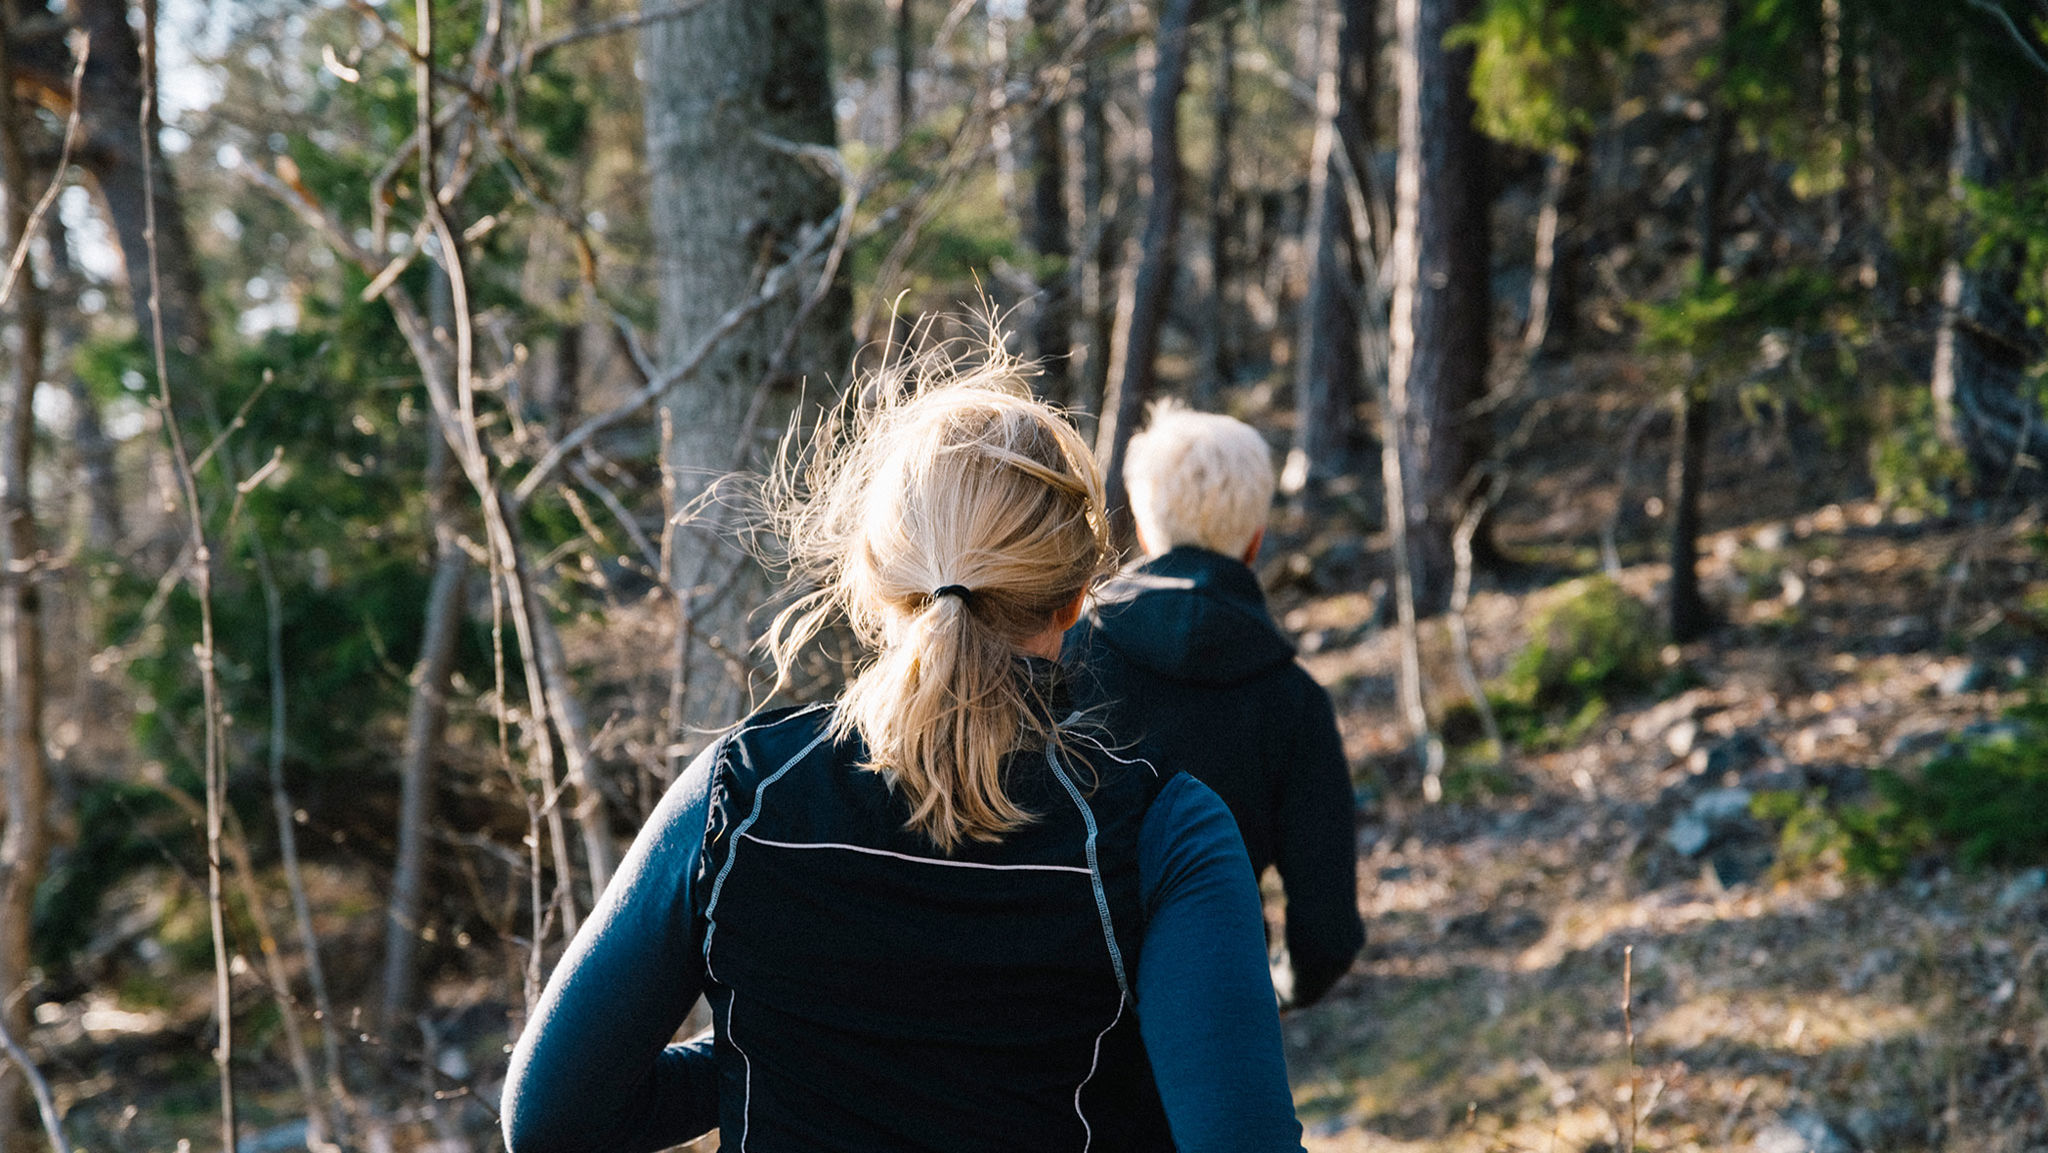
(1179, 655)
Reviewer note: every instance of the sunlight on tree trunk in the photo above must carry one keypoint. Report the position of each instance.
(1441, 310)
(734, 91)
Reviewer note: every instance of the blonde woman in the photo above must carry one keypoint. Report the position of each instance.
(935, 914)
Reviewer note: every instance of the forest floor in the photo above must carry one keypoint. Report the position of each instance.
(1775, 1001)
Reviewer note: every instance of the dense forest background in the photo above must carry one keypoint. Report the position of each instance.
(1660, 386)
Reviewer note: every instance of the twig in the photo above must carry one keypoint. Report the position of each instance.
(202, 576)
(1461, 635)
(772, 287)
(287, 832)
(533, 52)
(1393, 474)
(46, 1106)
(1628, 1027)
(2019, 39)
(82, 47)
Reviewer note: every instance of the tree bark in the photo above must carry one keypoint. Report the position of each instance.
(903, 109)
(1216, 369)
(1441, 322)
(404, 914)
(1985, 346)
(732, 91)
(1327, 387)
(111, 151)
(1095, 270)
(1687, 613)
(1051, 324)
(24, 837)
(91, 448)
(1137, 353)
(1554, 274)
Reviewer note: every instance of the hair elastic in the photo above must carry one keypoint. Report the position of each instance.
(965, 594)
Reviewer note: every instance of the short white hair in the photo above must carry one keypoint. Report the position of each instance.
(1198, 478)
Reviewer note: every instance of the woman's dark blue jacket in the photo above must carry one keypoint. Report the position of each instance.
(872, 993)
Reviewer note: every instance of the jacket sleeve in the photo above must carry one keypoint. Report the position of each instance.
(1205, 1001)
(593, 1070)
(1316, 852)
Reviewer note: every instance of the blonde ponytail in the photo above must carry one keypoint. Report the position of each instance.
(958, 481)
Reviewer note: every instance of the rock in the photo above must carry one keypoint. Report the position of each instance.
(1736, 865)
(1680, 737)
(1720, 808)
(1916, 740)
(1888, 1128)
(2022, 888)
(1689, 835)
(1711, 817)
(278, 1139)
(1973, 677)
(1659, 718)
(1875, 964)
(1802, 1131)
(1736, 753)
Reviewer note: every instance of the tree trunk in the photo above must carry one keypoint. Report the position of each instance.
(93, 451)
(1688, 614)
(1984, 347)
(1052, 341)
(111, 150)
(24, 837)
(1216, 369)
(732, 90)
(1095, 271)
(1554, 274)
(1441, 311)
(1137, 353)
(1327, 387)
(404, 914)
(904, 108)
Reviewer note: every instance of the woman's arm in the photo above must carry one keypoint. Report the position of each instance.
(1315, 842)
(593, 1070)
(1205, 997)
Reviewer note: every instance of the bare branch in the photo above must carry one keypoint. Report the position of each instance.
(46, 1106)
(540, 48)
(49, 197)
(202, 577)
(772, 287)
(2019, 39)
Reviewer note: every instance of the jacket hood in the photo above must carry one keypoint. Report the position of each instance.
(1193, 615)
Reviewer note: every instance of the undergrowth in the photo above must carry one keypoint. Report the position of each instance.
(1596, 644)
(1981, 801)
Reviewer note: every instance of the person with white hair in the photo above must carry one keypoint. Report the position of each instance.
(1179, 655)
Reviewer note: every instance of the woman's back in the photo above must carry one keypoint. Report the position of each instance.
(871, 992)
